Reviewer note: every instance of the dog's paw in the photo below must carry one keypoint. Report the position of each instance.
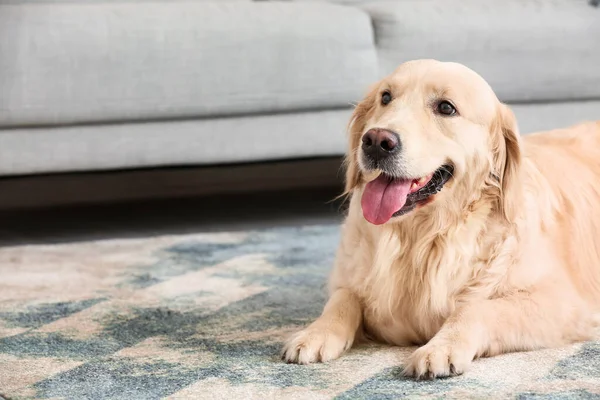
(315, 345)
(438, 360)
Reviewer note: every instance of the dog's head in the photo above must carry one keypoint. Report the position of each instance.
(428, 134)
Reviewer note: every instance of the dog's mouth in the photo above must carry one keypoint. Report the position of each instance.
(386, 196)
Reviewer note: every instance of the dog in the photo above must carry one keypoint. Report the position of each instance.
(462, 237)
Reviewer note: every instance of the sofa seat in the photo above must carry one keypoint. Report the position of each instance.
(68, 63)
(528, 50)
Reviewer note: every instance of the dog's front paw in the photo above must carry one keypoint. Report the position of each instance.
(438, 360)
(315, 344)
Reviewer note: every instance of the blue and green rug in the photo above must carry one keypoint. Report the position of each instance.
(204, 316)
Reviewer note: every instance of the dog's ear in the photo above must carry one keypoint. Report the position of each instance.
(507, 161)
(356, 128)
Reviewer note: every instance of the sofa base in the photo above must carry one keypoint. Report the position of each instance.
(36, 191)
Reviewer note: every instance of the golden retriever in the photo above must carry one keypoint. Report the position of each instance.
(461, 236)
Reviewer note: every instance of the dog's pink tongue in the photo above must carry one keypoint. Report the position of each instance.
(382, 198)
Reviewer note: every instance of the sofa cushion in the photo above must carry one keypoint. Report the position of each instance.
(93, 147)
(527, 50)
(93, 62)
(99, 147)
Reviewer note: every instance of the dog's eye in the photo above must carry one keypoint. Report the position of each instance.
(386, 98)
(446, 108)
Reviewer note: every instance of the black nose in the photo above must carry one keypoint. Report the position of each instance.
(380, 143)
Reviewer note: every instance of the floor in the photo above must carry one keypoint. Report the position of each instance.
(184, 318)
(178, 216)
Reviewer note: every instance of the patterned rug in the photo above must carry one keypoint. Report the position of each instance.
(204, 316)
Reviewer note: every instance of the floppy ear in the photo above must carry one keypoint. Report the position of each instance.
(508, 161)
(356, 128)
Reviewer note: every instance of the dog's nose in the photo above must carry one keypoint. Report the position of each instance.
(380, 143)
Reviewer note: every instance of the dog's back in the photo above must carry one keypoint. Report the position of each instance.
(563, 184)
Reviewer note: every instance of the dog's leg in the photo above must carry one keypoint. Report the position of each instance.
(523, 321)
(330, 335)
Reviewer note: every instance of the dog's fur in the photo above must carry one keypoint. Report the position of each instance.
(505, 258)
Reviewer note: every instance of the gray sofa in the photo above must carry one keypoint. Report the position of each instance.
(90, 85)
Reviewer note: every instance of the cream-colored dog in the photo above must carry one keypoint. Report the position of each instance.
(461, 236)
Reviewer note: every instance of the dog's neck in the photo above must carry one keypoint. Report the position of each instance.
(442, 242)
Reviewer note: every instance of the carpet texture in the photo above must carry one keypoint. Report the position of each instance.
(204, 316)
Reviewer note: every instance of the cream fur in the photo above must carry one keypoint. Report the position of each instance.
(505, 258)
